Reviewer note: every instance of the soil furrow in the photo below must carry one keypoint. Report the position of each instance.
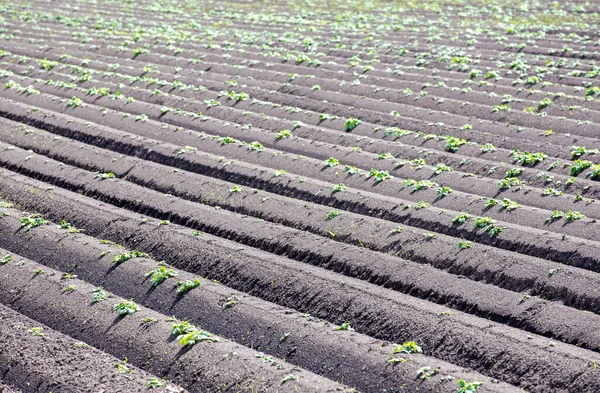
(370, 310)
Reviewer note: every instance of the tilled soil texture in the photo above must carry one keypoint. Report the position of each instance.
(343, 197)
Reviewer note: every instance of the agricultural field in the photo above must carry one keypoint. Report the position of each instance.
(341, 196)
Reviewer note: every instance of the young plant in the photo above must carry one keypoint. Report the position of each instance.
(439, 168)
(444, 191)
(69, 227)
(195, 336)
(408, 347)
(184, 287)
(465, 244)
(235, 189)
(461, 218)
(509, 205)
(283, 134)
(75, 102)
(338, 188)
(107, 175)
(99, 295)
(488, 147)
(379, 176)
(528, 159)
(154, 383)
(124, 257)
(182, 327)
(555, 215)
(453, 144)
(351, 123)
(126, 307)
(573, 216)
(468, 387)
(186, 149)
(160, 274)
(5, 259)
(331, 162)
(332, 214)
(36, 331)
(351, 170)
(344, 326)
(32, 221)
(580, 166)
(287, 378)
(426, 372)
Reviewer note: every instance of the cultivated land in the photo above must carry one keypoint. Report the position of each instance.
(318, 197)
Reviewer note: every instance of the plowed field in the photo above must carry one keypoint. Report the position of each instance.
(299, 196)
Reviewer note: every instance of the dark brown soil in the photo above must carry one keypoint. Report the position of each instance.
(53, 362)
(341, 178)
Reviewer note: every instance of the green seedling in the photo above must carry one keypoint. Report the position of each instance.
(124, 257)
(551, 192)
(344, 326)
(99, 295)
(465, 244)
(527, 158)
(444, 191)
(5, 259)
(122, 369)
(331, 162)
(332, 214)
(182, 327)
(69, 288)
(491, 203)
(75, 102)
(107, 175)
(154, 383)
(453, 144)
(284, 337)
(351, 170)
(393, 360)
(580, 166)
(468, 387)
(256, 146)
(338, 188)
(160, 274)
(283, 134)
(287, 378)
(555, 215)
(186, 149)
(32, 221)
(385, 156)
(397, 229)
(230, 302)
(488, 147)
(39, 272)
(126, 307)
(351, 123)
(461, 218)
(379, 176)
(510, 182)
(36, 331)
(65, 225)
(408, 347)
(573, 216)
(195, 336)
(211, 103)
(439, 168)
(184, 287)
(422, 205)
(426, 372)
(509, 205)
